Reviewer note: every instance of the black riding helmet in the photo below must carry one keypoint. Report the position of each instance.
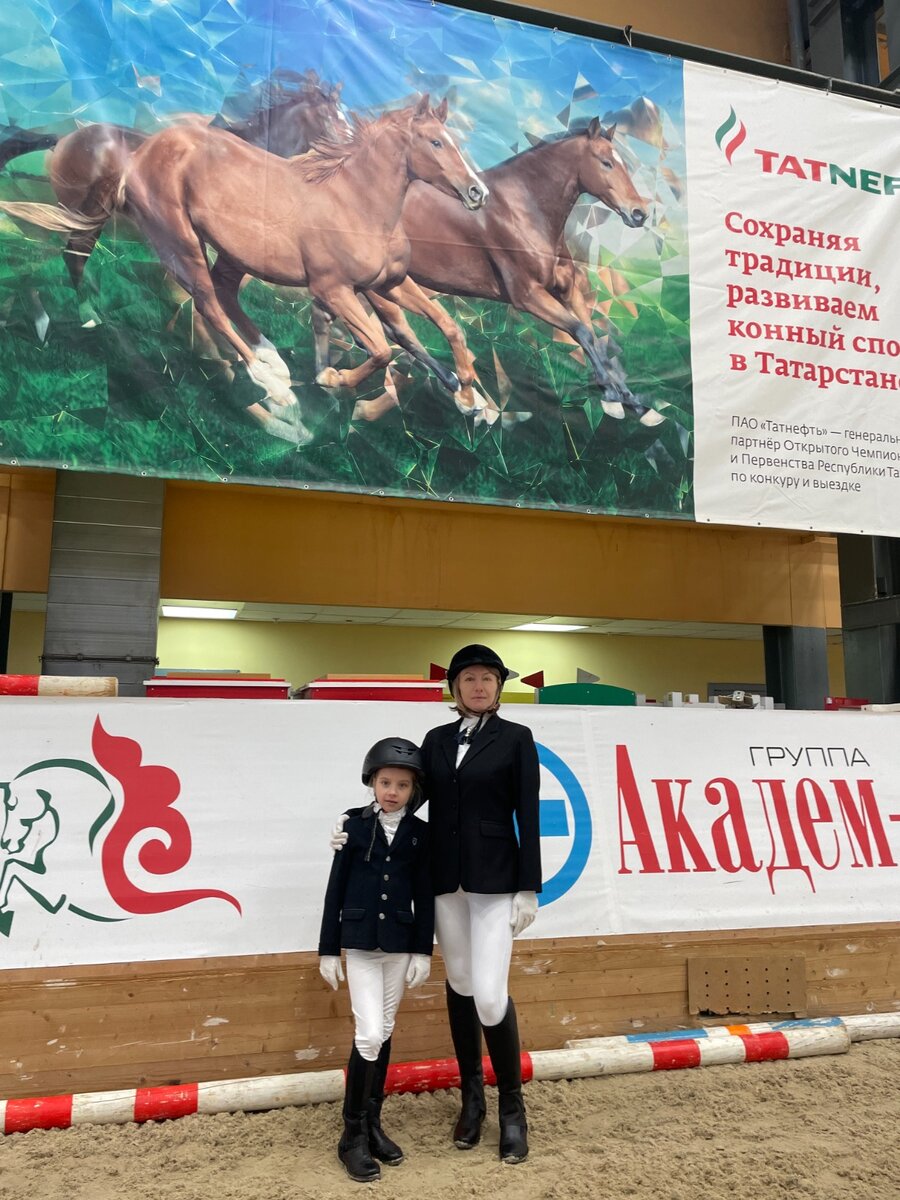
(392, 752)
(476, 656)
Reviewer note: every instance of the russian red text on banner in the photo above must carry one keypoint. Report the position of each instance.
(795, 304)
(128, 835)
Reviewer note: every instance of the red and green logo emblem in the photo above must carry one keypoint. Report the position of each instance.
(69, 835)
(730, 135)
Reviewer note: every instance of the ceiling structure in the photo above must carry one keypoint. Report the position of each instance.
(317, 614)
(313, 614)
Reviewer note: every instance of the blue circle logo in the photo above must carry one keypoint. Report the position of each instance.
(555, 823)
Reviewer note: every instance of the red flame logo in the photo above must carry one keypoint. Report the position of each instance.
(150, 793)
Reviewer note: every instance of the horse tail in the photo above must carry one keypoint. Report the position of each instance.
(15, 142)
(54, 216)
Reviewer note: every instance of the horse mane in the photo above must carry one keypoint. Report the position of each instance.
(285, 87)
(328, 157)
(282, 89)
(576, 127)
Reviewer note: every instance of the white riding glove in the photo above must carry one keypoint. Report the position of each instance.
(331, 970)
(338, 839)
(524, 910)
(419, 969)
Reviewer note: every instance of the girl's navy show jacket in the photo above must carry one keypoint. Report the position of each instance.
(380, 895)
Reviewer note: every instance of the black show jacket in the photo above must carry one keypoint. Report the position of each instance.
(471, 809)
(387, 902)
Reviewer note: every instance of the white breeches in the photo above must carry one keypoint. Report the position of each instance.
(475, 939)
(376, 981)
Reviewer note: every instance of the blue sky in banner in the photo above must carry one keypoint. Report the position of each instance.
(138, 62)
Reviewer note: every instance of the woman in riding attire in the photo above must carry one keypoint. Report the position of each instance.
(482, 781)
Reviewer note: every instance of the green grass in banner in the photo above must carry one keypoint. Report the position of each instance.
(129, 392)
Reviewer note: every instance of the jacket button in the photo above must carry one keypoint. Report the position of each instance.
(381, 916)
(384, 895)
(387, 858)
(387, 876)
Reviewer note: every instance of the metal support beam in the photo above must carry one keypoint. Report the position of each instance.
(5, 623)
(870, 613)
(796, 665)
(872, 660)
(103, 598)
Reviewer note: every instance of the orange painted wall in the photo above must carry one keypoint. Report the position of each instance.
(281, 546)
(757, 30)
(26, 515)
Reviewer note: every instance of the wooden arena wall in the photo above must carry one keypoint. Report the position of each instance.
(124, 1025)
(275, 545)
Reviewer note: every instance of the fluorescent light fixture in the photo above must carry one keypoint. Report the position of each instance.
(202, 614)
(540, 627)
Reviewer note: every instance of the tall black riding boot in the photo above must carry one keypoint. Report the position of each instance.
(465, 1029)
(380, 1145)
(353, 1148)
(506, 1057)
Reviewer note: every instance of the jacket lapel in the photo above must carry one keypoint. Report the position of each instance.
(449, 743)
(404, 832)
(482, 740)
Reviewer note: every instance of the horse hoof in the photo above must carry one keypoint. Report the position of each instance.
(265, 376)
(469, 400)
(613, 408)
(487, 416)
(88, 317)
(273, 360)
(329, 378)
(508, 420)
(651, 417)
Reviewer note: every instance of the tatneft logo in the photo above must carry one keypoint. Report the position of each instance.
(564, 841)
(732, 134)
(68, 834)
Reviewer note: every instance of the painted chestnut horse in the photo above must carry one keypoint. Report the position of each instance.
(87, 166)
(514, 251)
(328, 220)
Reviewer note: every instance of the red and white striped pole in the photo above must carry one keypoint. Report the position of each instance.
(678, 1049)
(59, 685)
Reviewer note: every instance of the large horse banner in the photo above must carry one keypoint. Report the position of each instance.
(407, 249)
(126, 835)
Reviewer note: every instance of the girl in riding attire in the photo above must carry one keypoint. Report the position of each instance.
(379, 907)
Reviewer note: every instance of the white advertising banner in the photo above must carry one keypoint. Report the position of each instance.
(795, 304)
(152, 829)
